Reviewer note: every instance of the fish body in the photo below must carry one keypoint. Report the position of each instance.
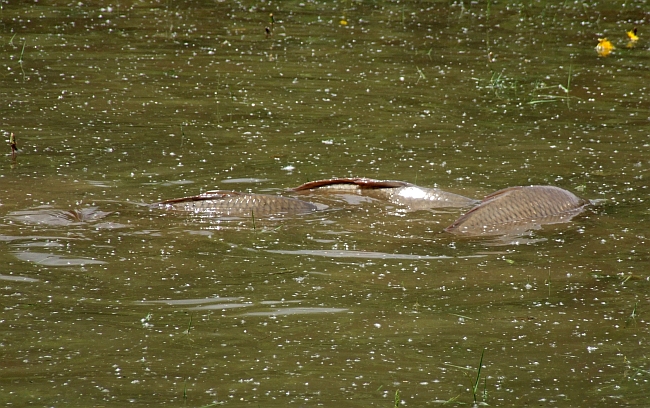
(397, 192)
(236, 204)
(51, 216)
(420, 198)
(518, 209)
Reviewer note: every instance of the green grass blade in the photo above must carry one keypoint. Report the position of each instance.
(478, 375)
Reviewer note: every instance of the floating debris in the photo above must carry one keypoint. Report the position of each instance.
(604, 47)
(14, 146)
(632, 35)
(633, 38)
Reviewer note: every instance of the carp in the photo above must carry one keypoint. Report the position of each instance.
(518, 209)
(236, 204)
(397, 192)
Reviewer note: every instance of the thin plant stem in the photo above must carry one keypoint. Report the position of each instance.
(421, 75)
(568, 86)
(478, 376)
(189, 325)
(20, 60)
(22, 52)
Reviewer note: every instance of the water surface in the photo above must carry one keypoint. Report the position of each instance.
(106, 301)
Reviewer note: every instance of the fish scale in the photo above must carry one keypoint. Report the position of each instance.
(235, 204)
(507, 211)
(517, 208)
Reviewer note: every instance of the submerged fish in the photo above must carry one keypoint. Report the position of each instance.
(56, 217)
(397, 192)
(235, 204)
(518, 209)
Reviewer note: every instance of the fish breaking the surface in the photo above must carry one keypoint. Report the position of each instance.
(510, 211)
(397, 192)
(518, 209)
(236, 204)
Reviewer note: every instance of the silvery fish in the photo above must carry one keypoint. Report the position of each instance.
(397, 192)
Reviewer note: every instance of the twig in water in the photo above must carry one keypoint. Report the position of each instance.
(269, 29)
(14, 146)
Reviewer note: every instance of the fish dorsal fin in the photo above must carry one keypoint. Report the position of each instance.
(361, 182)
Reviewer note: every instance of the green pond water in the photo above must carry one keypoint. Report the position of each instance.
(105, 301)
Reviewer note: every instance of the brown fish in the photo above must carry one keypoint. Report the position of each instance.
(235, 204)
(397, 192)
(518, 209)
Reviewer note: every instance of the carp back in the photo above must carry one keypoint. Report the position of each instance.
(518, 209)
(236, 204)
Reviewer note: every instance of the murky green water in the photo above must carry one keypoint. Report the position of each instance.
(116, 106)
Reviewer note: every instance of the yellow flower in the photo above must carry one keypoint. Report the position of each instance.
(343, 22)
(604, 47)
(632, 35)
(633, 38)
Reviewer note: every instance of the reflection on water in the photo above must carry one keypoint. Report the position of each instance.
(44, 258)
(360, 254)
(17, 278)
(188, 301)
(245, 180)
(296, 311)
(107, 302)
